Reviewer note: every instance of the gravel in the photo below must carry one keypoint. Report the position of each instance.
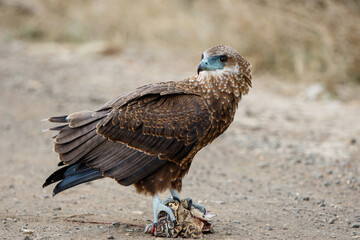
(355, 225)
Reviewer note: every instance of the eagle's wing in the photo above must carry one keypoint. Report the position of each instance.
(136, 134)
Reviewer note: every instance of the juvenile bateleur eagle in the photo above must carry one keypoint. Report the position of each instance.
(150, 136)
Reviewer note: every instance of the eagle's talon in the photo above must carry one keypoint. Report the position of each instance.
(176, 198)
(189, 203)
(150, 228)
(199, 207)
(159, 206)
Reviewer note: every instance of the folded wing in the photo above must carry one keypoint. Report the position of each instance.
(134, 135)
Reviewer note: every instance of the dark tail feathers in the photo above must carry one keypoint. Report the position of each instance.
(71, 176)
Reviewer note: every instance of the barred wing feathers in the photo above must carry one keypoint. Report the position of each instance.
(134, 135)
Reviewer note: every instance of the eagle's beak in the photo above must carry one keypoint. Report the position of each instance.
(203, 65)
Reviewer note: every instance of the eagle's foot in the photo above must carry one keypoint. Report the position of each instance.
(175, 195)
(159, 206)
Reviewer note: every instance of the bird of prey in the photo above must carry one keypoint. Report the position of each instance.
(150, 136)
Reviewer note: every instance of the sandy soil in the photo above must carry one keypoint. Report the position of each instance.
(287, 167)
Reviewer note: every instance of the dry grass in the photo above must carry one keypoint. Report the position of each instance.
(308, 40)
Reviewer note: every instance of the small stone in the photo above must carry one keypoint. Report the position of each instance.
(228, 233)
(110, 237)
(327, 183)
(318, 176)
(27, 238)
(355, 225)
(332, 220)
(269, 228)
(116, 224)
(306, 198)
(57, 209)
(15, 220)
(237, 221)
(322, 203)
(76, 228)
(329, 172)
(138, 212)
(263, 165)
(27, 231)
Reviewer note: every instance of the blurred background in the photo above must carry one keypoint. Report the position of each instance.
(308, 41)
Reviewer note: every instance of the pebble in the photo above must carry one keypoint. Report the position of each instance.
(228, 233)
(57, 209)
(27, 238)
(318, 176)
(322, 203)
(269, 228)
(327, 183)
(263, 165)
(332, 220)
(110, 237)
(355, 225)
(138, 212)
(237, 221)
(116, 224)
(27, 231)
(44, 197)
(306, 198)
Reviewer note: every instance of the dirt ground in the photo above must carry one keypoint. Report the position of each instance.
(287, 168)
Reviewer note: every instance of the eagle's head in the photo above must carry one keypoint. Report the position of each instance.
(224, 63)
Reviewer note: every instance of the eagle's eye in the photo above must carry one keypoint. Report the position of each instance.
(202, 56)
(223, 58)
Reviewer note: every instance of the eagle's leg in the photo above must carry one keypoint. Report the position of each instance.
(159, 206)
(175, 196)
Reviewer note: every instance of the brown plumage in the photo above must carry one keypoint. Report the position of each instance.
(150, 136)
